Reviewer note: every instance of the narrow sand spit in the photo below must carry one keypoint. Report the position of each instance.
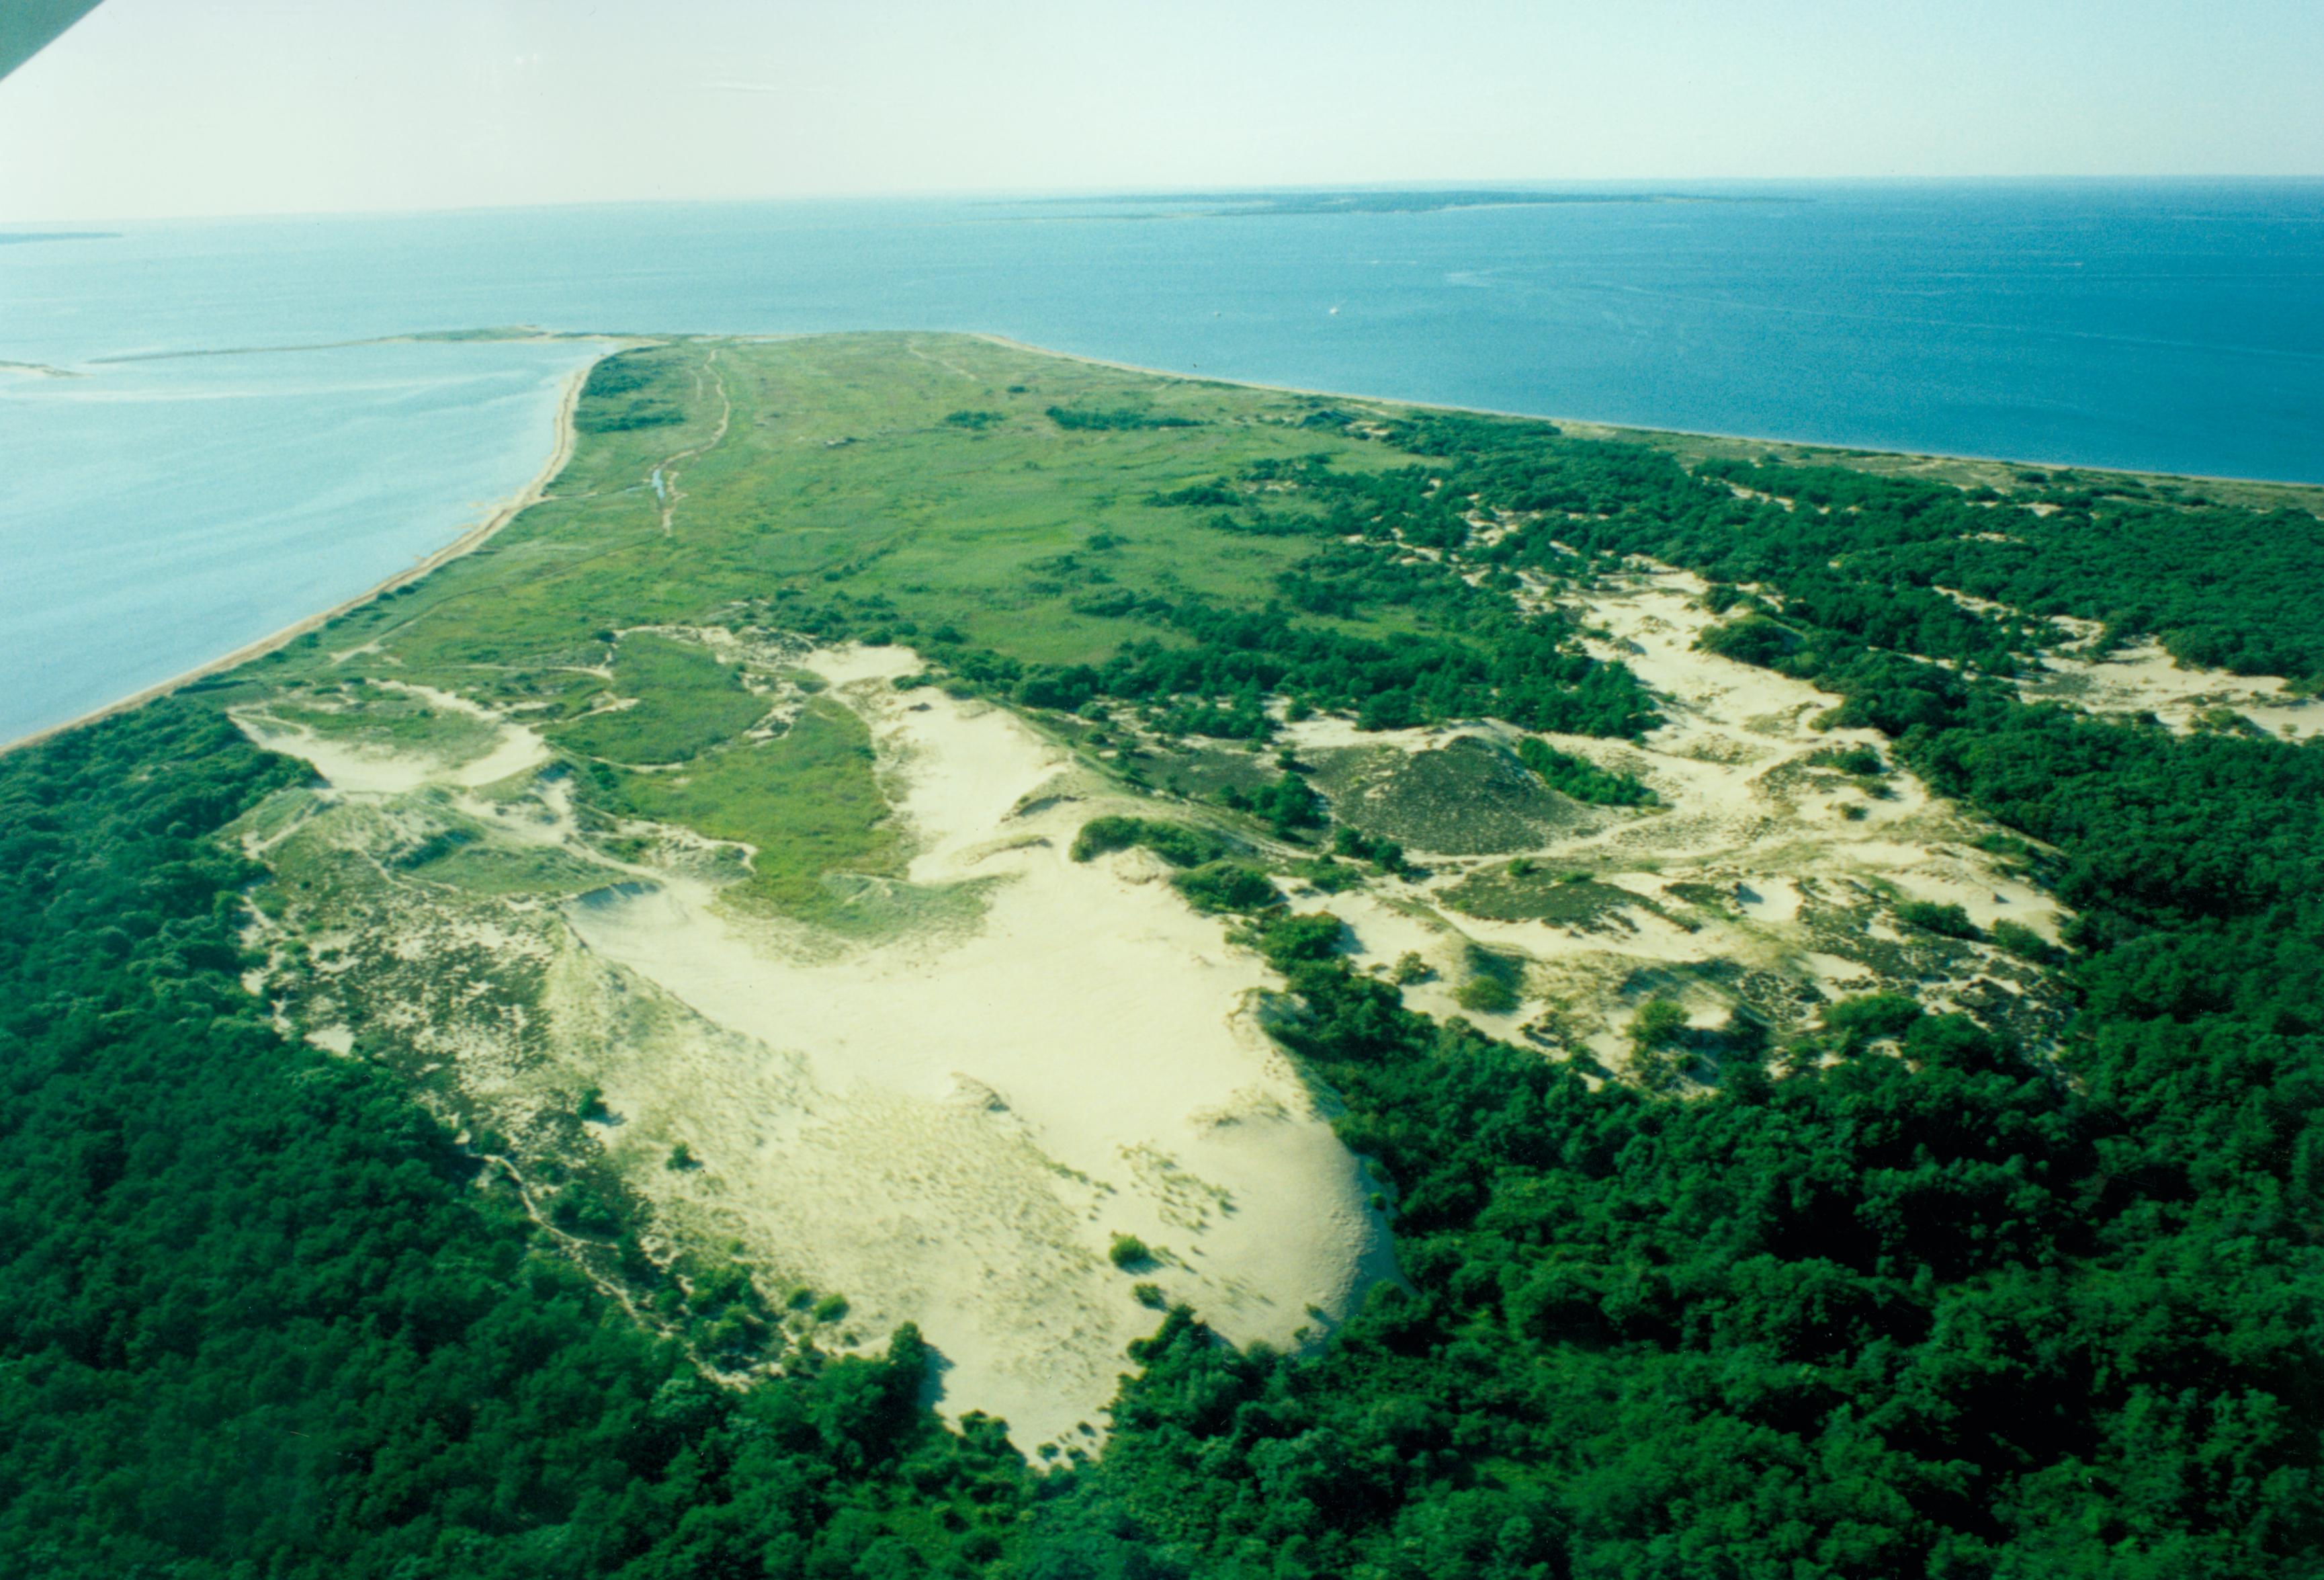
(950, 1128)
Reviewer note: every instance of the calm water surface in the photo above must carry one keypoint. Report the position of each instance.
(156, 514)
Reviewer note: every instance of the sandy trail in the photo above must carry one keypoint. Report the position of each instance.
(666, 492)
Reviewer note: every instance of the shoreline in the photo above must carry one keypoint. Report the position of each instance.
(1611, 428)
(567, 437)
(565, 434)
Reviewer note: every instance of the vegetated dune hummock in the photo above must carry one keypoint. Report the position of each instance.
(1765, 883)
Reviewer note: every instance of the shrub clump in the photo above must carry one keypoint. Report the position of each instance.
(1222, 885)
(1948, 921)
(1291, 941)
(1487, 995)
(1288, 805)
(1176, 842)
(1864, 762)
(1581, 779)
(1753, 640)
(1659, 1023)
(2024, 942)
(1354, 843)
(1492, 986)
(1107, 419)
(1855, 1023)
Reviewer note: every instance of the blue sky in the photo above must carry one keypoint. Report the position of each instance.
(217, 107)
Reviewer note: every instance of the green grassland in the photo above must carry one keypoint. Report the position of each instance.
(839, 484)
(911, 488)
(381, 719)
(684, 701)
(805, 802)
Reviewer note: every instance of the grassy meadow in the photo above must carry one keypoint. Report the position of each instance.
(884, 487)
(838, 481)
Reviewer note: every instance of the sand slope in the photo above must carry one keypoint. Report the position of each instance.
(947, 1124)
(2142, 678)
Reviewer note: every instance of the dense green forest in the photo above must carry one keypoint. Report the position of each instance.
(1894, 1300)
(1930, 1309)
(2225, 586)
(616, 399)
(258, 1316)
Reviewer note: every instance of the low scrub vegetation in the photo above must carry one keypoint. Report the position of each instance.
(1099, 419)
(1581, 779)
(1181, 844)
(1227, 885)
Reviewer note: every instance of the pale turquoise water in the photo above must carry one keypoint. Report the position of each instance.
(156, 514)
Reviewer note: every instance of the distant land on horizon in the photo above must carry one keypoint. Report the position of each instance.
(1272, 201)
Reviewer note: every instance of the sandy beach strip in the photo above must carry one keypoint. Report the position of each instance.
(1601, 427)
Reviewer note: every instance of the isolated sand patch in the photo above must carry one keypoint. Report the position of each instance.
(360, 770)
(2144, 678)
(350, 762)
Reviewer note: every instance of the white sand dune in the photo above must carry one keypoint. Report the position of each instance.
(2143, 678)
(951, 1128)
(948, 1118)
(353, 764)
(947, 1123)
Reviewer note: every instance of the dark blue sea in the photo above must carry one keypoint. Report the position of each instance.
(154, 514)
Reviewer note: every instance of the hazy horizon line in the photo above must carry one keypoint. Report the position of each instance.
(1653, 185)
